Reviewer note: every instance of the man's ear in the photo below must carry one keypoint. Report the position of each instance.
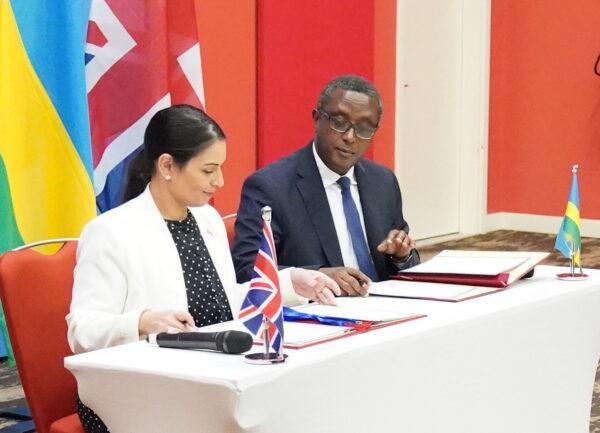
(315, 114)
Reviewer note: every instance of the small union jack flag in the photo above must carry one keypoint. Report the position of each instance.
(264, 296)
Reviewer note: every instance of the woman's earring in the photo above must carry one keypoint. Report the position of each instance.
(168, 177)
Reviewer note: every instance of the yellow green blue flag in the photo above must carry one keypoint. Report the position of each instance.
(45, 155)
(568, 240)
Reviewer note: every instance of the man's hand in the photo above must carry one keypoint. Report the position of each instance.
(315, 286)
(152, 322)
(397, 244)
(352, 281)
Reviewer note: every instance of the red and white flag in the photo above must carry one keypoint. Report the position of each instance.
(141, 56)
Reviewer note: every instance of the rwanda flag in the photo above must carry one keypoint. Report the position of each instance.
(45, 155)
(568, 240)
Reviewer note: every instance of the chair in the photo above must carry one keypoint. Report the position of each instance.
(229, 221)
(35, 290)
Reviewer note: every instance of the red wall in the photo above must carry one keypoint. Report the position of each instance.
(304, 44)
(227, 33)
(544, 106)
(265, 62)
(384, 76)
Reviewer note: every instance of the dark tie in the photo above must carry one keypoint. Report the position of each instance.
(359, 245)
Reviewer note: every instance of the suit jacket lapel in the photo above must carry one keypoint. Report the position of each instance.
(313, 194)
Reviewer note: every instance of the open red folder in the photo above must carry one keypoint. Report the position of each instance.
(304, 326)
(336, 332)
(307, 333)
(474, 268)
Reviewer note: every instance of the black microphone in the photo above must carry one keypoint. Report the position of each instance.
(225, 341)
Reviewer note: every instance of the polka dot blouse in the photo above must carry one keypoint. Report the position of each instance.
(207, 302)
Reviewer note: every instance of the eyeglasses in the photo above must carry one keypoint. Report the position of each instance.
(339, 124)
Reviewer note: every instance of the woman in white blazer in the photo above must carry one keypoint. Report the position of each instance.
(162, 260)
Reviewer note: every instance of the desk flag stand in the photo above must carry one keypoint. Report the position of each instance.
(262, 310)
(568, 240)
(266, 356)
(572, 275)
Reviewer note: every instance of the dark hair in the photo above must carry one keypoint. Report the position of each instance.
(182, 131)
(353, 83)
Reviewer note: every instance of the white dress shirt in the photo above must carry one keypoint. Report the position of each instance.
(334, 197)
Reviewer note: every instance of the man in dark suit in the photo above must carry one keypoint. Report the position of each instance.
(332, 209)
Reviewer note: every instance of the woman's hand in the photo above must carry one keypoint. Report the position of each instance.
(315, 286)
(152, 322)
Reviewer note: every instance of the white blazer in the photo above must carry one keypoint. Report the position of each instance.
(127, 262)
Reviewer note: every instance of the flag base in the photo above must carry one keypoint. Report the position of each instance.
(577, 276)
(262, 359)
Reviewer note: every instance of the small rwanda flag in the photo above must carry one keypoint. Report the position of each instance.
(568, 240)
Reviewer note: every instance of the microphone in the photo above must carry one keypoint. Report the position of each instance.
(233, 342)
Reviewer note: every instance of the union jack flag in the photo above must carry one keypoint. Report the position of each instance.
(264, 296)
(140, 56)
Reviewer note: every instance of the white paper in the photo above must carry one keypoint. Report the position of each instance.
(414, 289)
(467, 265)
(294, 333)
(353, 313)
(298, 333)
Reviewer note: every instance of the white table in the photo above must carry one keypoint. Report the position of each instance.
(518, 361)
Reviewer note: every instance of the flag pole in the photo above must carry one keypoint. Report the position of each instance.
(571, 242)
(267, 213)
(572, 256)
(266, 339)
(266, 216)
(584, 276)
(266, 357)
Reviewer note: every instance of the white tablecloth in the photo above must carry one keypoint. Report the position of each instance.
(522, 360)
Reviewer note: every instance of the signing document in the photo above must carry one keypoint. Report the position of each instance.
(314, 323)
(477, 268)
(455, 276)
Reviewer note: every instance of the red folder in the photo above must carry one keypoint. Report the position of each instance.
(359, 328)
(500, 280)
